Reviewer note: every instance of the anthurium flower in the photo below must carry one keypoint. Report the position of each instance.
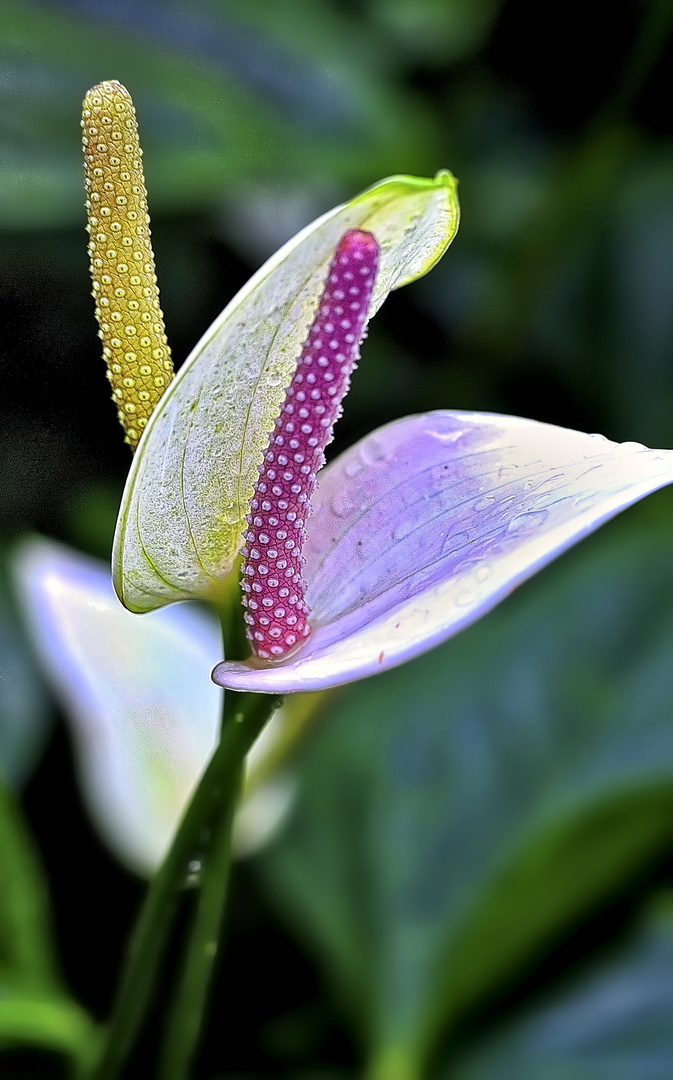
(410, 535)
(143, 711)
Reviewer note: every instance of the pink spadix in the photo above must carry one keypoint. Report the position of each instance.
(273, 582)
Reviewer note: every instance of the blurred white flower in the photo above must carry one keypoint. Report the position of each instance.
(143, 711)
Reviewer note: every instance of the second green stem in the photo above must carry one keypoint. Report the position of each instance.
(245, 715)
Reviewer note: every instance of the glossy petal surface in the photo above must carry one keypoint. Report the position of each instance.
(184, 507)
(137, 692)
(427, 523)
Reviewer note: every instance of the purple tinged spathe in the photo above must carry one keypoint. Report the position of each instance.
(427, 523)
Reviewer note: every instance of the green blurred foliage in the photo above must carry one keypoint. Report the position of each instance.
(461, 818)
(228, 94)
(25, 711)
(612, 1022)
(34, 1008)
(459, 813)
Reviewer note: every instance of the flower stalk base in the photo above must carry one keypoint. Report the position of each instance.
(201, 847)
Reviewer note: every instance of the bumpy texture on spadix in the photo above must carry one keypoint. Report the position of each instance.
(273, 584)
(122, 262)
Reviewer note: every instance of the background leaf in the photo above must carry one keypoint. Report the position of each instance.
(225, 95)
(48, 1022)
(445, 30)
(35, 1009)
(610, 1023)
(457, 815)
(25, 712)
(25, 934)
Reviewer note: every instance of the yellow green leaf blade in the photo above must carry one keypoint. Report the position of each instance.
(183, 510)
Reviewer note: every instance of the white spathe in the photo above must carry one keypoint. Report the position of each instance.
(143, 711)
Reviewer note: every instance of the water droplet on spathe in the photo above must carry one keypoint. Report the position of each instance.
(372, 451)
(464, 597)
(403, 529)
(230, 513)
(454, 543)
(584, 502)
(446, 436)
(528, 522)
(340, 505)
(484, 502)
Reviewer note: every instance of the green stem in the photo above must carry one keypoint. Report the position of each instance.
(192, 843)
(187, 1012)
(243, 718)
